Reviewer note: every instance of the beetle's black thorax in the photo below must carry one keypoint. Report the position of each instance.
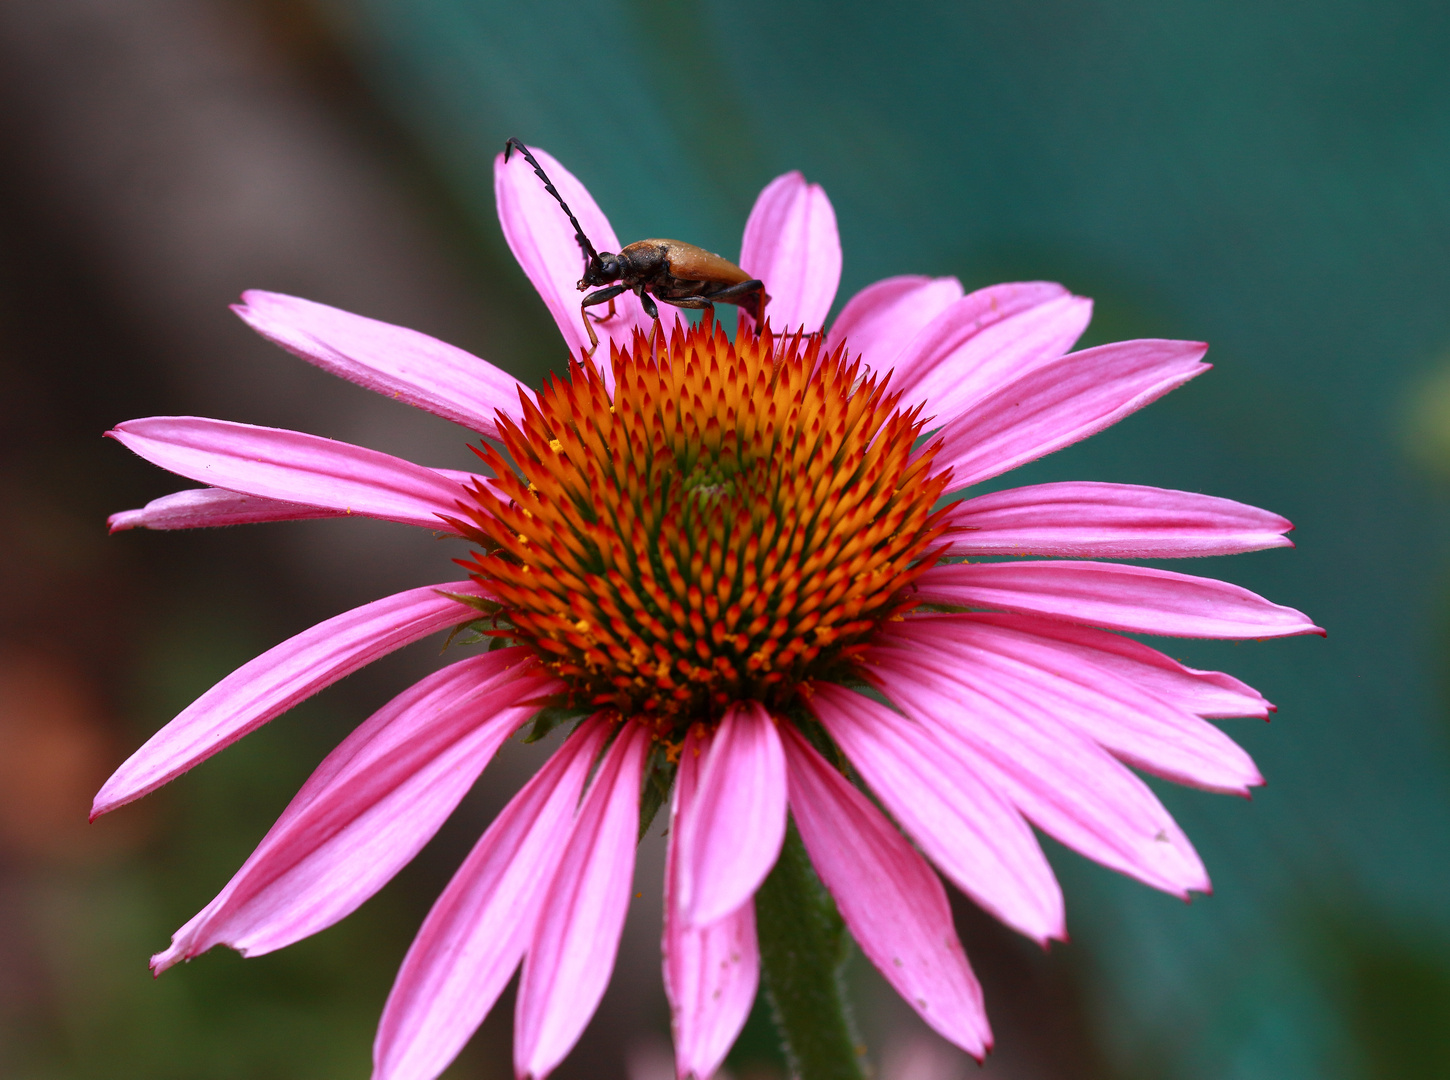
(643, 263)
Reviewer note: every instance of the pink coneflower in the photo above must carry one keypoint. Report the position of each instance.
(726, 557)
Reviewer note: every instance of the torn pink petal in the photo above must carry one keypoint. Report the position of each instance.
(733, 828)
(893, 904)
(791, 244)
(987, 339)
(1110, 521)
(1053, 685)
(1210, 694)
(711, 972)
(272, 463)
(1061, 402)
(281, 677)
(1061, 781)
(207, 508)
(201, 508)
(962, 825)
(370, 807)
(572, 954)
(542, 240)
(480, 927)
(392, 360)
(880, 320)
(1138, 599)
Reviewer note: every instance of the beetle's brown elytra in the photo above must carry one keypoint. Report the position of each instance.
(671, 271)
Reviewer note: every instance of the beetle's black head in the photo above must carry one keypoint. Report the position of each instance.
(603, 269)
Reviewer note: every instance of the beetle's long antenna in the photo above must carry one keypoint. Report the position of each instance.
(584, 244)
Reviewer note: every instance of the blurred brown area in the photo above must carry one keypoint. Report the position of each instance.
(156, 158)
(58, 746)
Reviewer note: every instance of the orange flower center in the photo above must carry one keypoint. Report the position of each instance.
(735, 519)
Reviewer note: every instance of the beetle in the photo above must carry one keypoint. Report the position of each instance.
(671, 271)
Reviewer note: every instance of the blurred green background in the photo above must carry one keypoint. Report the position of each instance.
(1272, 178)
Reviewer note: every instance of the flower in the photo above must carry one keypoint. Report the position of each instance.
(726, 557)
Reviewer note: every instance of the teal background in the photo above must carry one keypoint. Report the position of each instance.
(1272, 178)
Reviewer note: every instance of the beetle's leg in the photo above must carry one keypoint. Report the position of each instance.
(703, 303)
(599, 296)
(647, 301)
(732, 294)
(738, 293)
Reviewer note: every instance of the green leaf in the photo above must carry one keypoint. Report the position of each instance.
(659, 776)
(551, 717)
(473, 631)
(478, 603)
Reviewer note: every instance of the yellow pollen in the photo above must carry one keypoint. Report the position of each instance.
(733, 520)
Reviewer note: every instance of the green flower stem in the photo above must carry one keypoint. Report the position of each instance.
(803, 945)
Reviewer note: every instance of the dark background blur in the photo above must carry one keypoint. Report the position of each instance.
(1273, 178)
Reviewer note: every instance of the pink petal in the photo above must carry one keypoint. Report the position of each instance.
(1138, 599)
(370, 807)
(278, 679)
(1061, 781)
(203, 508)
(1056, 685)
(733, 829)
(987, 339)
(479, 928)
(392, 360)
(1060, 402)
(880, 320)
(1210, 694)
(711, 972)
(1114, 521)
(964, 827)
(200, 508)
(542, 240)
(791, 244)
(289, 466)
(893, 904)
(580, 920)
(965, 317)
